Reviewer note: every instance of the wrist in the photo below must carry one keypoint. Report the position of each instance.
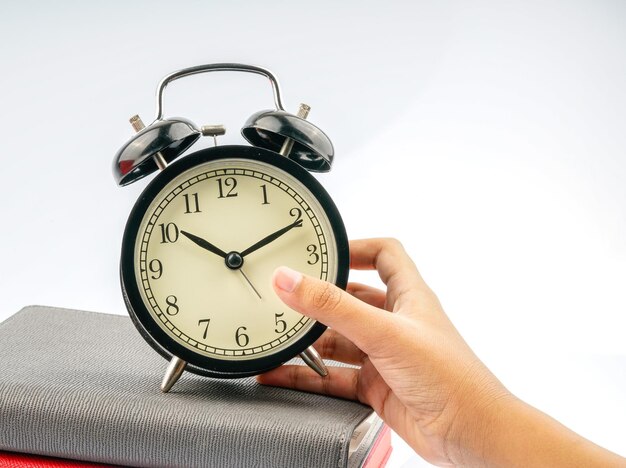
(479, 419)
(502, 430)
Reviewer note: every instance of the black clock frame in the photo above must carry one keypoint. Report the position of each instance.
(141, 317)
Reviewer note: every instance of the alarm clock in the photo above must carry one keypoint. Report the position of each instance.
(203, 239)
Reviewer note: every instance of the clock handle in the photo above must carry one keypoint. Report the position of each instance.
(240, 67)
(312, 359)
(172, 374)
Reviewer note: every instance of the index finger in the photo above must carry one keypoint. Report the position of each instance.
(394, 266)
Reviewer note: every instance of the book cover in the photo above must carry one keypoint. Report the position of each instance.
(84, 386)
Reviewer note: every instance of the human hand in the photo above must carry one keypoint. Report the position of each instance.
(415, 370)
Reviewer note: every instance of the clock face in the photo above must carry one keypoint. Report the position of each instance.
(204, 247)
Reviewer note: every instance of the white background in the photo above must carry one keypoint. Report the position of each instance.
(489, 137)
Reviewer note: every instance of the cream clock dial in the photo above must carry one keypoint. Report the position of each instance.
(202, 244)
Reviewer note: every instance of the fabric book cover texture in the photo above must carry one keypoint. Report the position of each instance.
(85, 386)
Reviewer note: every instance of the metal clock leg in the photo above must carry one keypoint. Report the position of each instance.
(312, 359)
(172, 374)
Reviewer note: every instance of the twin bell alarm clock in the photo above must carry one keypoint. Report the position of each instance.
(205, 236)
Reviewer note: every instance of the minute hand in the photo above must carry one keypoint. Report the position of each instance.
(271, 237)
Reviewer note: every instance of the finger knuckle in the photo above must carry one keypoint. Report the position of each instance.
(392, 243)
(326, 389)
(327, 297)
(330, 344)
(294, 377)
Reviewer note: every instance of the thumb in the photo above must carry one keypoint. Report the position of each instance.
(359, 322)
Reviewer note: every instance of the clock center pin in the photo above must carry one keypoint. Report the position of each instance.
(234, 260)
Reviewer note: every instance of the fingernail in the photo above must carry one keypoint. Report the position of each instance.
(286, 279)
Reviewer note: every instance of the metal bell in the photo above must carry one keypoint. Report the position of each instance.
(311, 149)
(154, 146)
(165, 138)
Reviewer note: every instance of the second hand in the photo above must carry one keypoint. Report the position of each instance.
(250, 283)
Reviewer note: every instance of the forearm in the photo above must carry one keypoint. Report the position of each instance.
(509, 432)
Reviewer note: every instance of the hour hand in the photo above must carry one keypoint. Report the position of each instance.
(204, 244)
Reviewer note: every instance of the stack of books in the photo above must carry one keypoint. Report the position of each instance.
(79, 389)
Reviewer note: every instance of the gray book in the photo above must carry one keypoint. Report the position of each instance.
(85, 386)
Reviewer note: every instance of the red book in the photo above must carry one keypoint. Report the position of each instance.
(381, 450)
(23, 460)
